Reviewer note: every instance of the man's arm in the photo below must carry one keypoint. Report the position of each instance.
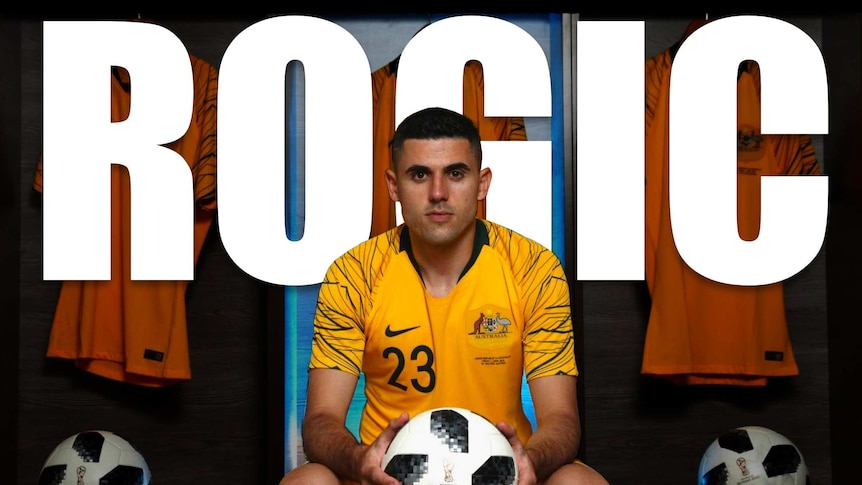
(557, 436)
(325, 438)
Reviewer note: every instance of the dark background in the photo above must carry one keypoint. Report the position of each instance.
(223, 427)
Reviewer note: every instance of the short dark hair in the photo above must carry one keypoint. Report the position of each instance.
(432, 124)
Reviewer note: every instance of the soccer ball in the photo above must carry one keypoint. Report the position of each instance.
(95, 458)
(752, 455)
(452, 446)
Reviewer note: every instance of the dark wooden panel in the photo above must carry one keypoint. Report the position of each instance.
(843, 54)
(10, 229)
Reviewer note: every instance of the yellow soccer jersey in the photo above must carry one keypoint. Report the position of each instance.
(508, 314)
(135, 331)
(701, 331)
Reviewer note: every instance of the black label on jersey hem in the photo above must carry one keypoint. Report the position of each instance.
(150, 354)
(774, 355)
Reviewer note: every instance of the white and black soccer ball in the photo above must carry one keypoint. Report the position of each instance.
(95, 458)
(752, 455)
(452, 446)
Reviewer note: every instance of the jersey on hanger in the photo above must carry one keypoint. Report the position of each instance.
(135, 331)
(701, 331)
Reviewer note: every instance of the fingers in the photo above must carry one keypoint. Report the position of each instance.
(399, 422)
(374, 454)
(507, 429)
(380, 477)
(390, 431)
(526, 473)
(509, 432)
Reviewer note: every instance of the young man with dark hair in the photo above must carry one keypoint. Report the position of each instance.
(446, 310)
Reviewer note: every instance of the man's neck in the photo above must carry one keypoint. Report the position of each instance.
(441, 266)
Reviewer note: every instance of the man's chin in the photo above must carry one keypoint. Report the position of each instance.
(438, 235)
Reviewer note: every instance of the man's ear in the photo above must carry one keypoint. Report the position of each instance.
(484, 182)
(391, 184)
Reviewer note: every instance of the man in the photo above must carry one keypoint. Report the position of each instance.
(402, 306)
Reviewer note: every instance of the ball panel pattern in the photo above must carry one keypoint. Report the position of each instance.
(451, 428)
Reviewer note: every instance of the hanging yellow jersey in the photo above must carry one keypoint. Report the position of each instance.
(135, 331)
(701, 331)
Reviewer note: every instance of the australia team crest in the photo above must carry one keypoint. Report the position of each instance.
(489, 323)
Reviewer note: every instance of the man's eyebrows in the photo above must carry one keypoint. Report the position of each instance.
(462, 166)
(417, 167)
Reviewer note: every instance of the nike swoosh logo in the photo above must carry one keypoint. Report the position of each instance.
(394, 333)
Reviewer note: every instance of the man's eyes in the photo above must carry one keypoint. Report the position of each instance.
(423, 174)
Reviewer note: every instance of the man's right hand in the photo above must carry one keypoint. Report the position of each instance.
(372, 459)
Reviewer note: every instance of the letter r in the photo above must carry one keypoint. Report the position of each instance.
(81, 143)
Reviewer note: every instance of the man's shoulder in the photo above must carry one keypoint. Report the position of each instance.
(500, 236)
(521, 252)
(373, 250)
(533, 266)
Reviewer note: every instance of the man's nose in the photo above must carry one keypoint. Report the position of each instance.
(439, 188)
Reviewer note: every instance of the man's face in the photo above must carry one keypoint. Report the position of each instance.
(439, 184)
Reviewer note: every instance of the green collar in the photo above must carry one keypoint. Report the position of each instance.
(480, 239)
